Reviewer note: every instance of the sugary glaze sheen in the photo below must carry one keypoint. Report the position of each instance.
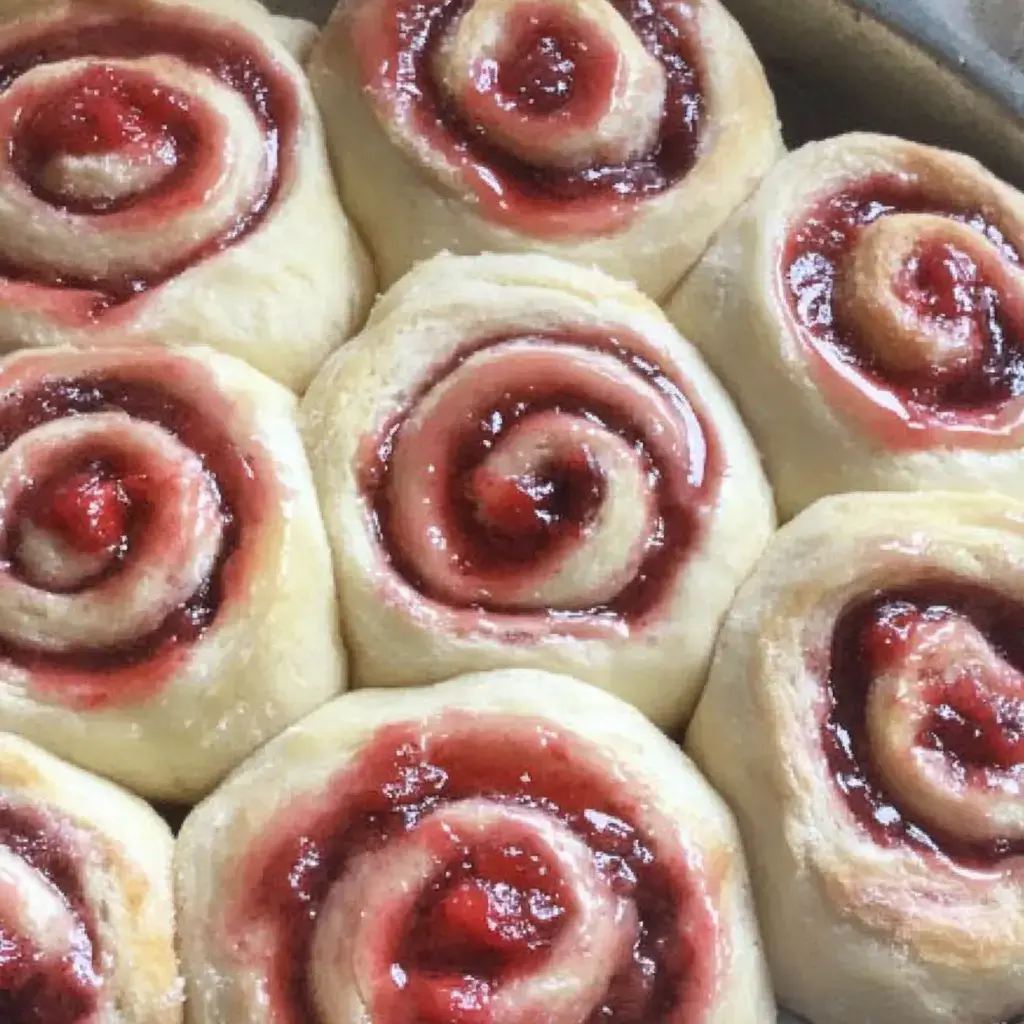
(944, 286)
(977, 727)
(34, 985)
(499, 906)
(101, 501)
(501, 524)
(108, 110)
(553, 70)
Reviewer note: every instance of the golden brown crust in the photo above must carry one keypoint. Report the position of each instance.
(121, 852)
(857, 931)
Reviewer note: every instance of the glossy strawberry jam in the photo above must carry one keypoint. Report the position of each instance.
(36, 988)
(549, 66)
(495, 913)
(108, 111)
(499, 524)
(944, 284)
(110, 108)
(979, 731)
(553, 63)
(104, 505)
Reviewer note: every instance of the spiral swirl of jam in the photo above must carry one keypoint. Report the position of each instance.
(560, 118)
(50, 963)
(121, 128)
(472, 869)
(924, 719)
(915, 307)
(557, 481)
(127, 509)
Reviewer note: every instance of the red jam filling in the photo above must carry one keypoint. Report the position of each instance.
(516, 520)
(492, 917)
(979, 732)
(104, 505)
(546, 69)
(502, 524)
(550, 66)
(107, 111)
(34, 988)
(942, 282)
(110, 108)
(88, 510)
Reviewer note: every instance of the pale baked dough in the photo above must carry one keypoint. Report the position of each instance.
(536, 615)
(271, 653)
(410, 200)
(296, 35)
(120, 852)
(227, 982)
(823, 430)
(857, 932)
(280, 297)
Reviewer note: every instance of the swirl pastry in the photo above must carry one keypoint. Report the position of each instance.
(86, 908)
(864, 717)
(506, 847)
(522, 464)
(866, 311)
(166, 601)
(163, 177)
(606, 132)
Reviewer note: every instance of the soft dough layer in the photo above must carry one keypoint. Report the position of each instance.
(166, 601)
(85, 898)
(521, 463)
(866, 311)
(611, 134)
(863, 720)
(163, 177)
(508, 846)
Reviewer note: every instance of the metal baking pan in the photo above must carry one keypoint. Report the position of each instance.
(945, 72)
(923, 69)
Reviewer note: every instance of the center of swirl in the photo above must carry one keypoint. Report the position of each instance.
(502, 900)
(543, 474)
(77, 525)
(105, 141)
(470, 870)
(520, 515)
(914, 300)
(540, 72)
(924, 731)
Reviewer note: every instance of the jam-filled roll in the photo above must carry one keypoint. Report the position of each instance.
(166, 601)
(163, 176)
(607, 132)
(864, 718)
(866, 311)
(506, 847)
(521, 463)
(86, 905)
